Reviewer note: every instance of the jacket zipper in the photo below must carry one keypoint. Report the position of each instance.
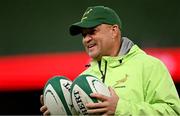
(103, 74)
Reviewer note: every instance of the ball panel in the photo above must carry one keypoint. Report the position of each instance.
(91, 83)
(61, 86)
(52, 101)
(82, 82)
(56, 83)
(79, 99)
(98, 86)
(65, 87)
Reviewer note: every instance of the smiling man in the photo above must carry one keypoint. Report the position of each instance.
(139, 83)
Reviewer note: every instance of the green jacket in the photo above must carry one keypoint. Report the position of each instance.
(142, 82)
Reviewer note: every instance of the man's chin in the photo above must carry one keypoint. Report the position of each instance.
(92, 55)
(95, 56)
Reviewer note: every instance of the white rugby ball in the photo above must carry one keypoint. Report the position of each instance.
(81, 89)
(57, 96)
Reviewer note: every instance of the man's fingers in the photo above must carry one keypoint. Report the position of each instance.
(41, 99)
(96, 105)
(96, 111)
(96, 108)
(46, 113)
(43, 108)
(99, 96)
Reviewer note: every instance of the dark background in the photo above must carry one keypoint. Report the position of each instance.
(41, 26)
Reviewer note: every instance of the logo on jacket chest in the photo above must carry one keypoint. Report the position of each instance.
(121, 82)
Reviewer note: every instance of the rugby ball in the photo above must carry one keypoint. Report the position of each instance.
(57, 96)
(81, 89)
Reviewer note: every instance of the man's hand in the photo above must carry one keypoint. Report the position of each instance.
(44, 109)
(106, 107)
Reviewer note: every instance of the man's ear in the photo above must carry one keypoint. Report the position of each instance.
(116, 30)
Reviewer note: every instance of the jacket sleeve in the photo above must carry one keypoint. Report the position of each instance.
(160, 95)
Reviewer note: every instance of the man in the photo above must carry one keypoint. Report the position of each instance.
(139, 84)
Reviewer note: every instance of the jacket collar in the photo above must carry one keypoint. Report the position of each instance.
(125, 46)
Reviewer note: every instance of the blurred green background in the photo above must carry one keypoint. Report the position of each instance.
(41, 26)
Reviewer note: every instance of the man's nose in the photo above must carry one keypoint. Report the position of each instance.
(87, 38)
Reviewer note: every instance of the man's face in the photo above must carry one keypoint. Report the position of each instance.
(98, 41)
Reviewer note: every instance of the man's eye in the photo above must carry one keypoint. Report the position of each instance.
(91, 32)
(84, 34)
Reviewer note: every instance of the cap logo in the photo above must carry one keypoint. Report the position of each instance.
(85, 14)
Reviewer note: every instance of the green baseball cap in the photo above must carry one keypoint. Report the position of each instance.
(95, 16)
